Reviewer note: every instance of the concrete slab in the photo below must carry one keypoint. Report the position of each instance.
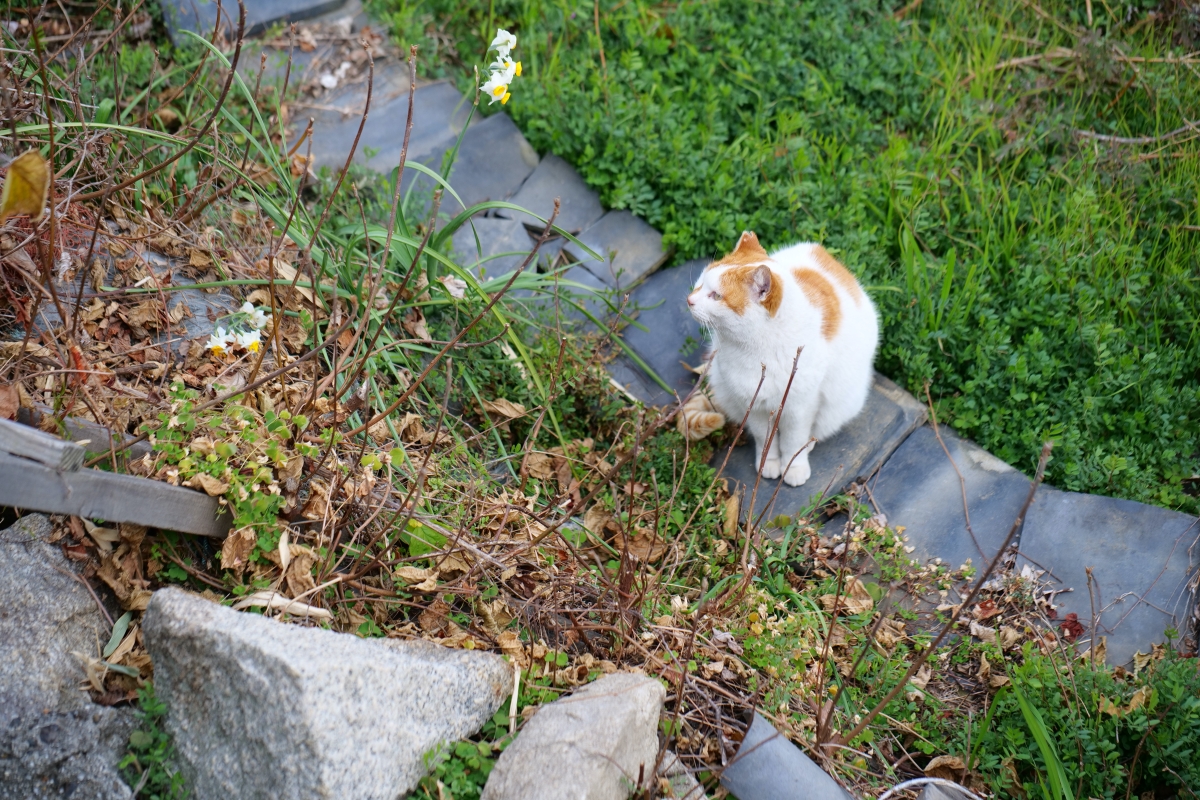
(200, 16)
(629, 249)
(1141, 558)
(555, 178)
(855, 452)
(919, 488)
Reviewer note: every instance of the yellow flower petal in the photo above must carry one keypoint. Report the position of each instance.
(504, 99)
(518, 72)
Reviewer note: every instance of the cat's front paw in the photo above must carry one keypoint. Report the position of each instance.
(771, 469)
(797, 474)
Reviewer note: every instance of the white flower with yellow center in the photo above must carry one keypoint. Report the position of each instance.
(250, 341)
(496, 88)
(220, 341)
(255, 316)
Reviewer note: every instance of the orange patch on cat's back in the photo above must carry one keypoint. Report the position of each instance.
(737, 289)
(837, 271)
(820, 293)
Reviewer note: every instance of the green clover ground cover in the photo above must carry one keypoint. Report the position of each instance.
(1042, 281)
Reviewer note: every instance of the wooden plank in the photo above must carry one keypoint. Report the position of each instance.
(43, 448)
(94, 438)
(102, 495)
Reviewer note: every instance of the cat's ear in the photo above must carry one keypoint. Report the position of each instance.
(767, 288)
(748, 247)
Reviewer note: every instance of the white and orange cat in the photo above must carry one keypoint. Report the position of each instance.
(759, 308)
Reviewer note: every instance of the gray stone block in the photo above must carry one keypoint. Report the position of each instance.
(1141, 558)
(46, 615)
(493, 162)
(439, 114)
(592, 745)
(666, 334)
(54, 754)
(262, 709)
(629, 249)
(555, 178)
(480, 246)
(855, 452)
(200, 16)
(53, 741)
(919, 489)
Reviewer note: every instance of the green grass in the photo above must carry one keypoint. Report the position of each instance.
(1042, 283)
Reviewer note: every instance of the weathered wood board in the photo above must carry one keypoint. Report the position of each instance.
(95, 494)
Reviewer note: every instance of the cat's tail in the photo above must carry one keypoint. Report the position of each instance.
(698, 418)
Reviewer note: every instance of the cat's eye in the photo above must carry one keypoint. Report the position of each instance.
(715, 295)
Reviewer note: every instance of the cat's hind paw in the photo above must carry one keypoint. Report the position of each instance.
(797, 474)
(771, 469)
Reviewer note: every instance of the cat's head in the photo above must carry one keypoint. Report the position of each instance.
(738, 292)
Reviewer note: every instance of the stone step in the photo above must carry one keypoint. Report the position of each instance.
(628, 247)
(1142, 559)
(200, 16)
(555, 178)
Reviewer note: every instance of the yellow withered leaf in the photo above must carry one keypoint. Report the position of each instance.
(25, 187)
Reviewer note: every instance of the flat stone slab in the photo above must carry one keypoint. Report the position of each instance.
(493, 162)
(665, 336)
(628, 247)
(439, 114)
(480, 246)
(919, 489)
(263, 709)
(853, 453)
(593, 745)
(200, 16)
(555, 178)
(1141, 558)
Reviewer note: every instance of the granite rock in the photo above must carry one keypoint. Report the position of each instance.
(1141, 556)
(54, 742)
(263, 709)
(592, 745)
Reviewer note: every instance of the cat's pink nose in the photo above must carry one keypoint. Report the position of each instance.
(691, 302)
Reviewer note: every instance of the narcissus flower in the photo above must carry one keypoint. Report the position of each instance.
(503, 43)
(220, 341)
(503, 69)
(255, 316)
(250, 341)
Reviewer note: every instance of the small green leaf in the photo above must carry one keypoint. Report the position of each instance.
(118, 632)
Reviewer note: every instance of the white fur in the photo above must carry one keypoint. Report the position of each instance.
(832, 377)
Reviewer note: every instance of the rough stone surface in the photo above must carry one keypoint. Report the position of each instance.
(201, 15)
(919, 489)
(556, 178)
(263, 709)
(683, 784)
(768, 765)
(854, 452)
(591, 745)
(53, 741)
(1139, 556)
(629, 249)
(45, 616)
(53, 754)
